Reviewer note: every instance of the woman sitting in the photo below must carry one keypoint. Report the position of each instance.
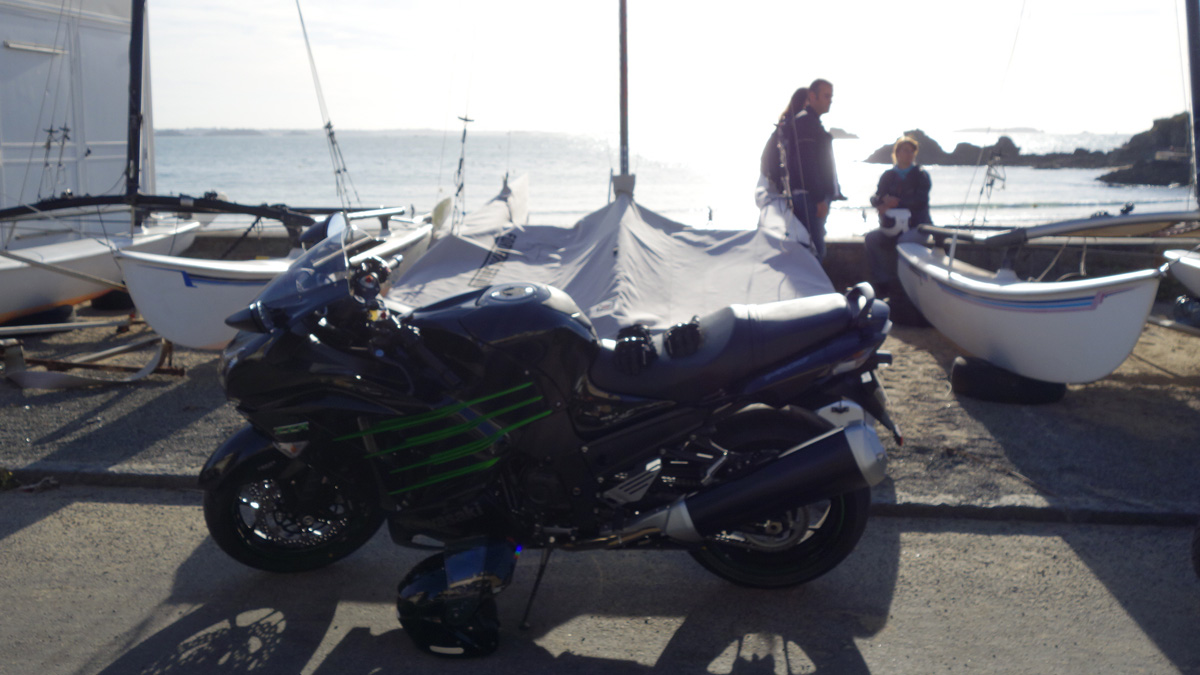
(902, 200)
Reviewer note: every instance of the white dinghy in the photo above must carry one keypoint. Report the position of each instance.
(1066, 331)
(186, 300)
(1185, 266)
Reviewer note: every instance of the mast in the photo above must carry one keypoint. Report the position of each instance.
(133, 140)
(1193, 29)
(624, 182)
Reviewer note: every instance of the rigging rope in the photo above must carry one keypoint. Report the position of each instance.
(1184, 69)
(341, 175)
(989, 178)
(65, 12)
(460, 198)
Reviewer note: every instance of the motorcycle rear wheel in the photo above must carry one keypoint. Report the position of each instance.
(792, 548)
(258, 518)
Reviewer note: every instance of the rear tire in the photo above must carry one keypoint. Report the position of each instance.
(794, 547)
(258, 517)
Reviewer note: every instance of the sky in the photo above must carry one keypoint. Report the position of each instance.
(702, 74)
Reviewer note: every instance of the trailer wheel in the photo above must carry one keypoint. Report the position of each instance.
(979, 379)
(113, 300)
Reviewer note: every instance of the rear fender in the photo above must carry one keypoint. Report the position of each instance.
(848, 352)
(248, 442)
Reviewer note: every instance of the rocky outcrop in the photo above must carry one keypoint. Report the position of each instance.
(1151, 172)
(1142, 160)
(1139, 158)
(964, 154)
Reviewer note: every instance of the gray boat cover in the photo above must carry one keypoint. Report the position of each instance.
(622, 264)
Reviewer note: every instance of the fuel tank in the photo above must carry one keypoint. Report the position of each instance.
(536, 325)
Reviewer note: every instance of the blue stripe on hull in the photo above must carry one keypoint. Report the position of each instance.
(194, 280)
(1084, 303)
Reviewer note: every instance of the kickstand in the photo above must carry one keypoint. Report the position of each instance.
(537, 583)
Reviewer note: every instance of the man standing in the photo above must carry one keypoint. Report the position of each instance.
(798, 169)
(818, 183)
(798, 177)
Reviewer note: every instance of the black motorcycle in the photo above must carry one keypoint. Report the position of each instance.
(496, 420)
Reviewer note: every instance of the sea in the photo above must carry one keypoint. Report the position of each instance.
(569, 175)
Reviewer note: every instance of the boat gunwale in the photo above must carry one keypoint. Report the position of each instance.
(248, 269)
(1039, 290)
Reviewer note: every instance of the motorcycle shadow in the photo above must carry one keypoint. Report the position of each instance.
(223, 617)
(597, 612)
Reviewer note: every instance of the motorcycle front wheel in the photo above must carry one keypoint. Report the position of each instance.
(279, 515)
(790, 548)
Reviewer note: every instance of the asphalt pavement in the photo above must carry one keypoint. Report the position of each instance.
(115, 581)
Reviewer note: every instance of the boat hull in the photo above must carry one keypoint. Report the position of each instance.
(30, 289)
(1069, 331)
(186, 300)
(1185, 266)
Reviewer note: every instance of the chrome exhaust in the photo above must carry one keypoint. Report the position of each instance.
(841, 461)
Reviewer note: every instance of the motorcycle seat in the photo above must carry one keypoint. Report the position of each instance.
(736, 341)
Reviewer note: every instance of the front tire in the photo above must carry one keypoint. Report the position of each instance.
(281, 515)
(793, 547)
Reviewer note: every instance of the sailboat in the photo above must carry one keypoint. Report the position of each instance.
(64, 133)
(102, 228)
(622, 264)
(1066, 332)
(77, 167)
(77, 171)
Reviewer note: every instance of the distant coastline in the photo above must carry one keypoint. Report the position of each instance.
(220, 131)
(1148, 158)
(209, 132)
(1009, 130)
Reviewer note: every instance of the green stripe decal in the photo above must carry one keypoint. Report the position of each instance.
(443, 434)
(472, 447)
(448, 475)
(414, 420)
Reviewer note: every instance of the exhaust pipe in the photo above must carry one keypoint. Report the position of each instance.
(838, 462)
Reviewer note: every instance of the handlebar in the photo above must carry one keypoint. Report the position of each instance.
(368, 279)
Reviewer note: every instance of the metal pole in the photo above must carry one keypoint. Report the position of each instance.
(133, 140)
(1193, 29)
(624, 99)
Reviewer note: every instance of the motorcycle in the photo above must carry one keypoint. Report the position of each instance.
(497, 420)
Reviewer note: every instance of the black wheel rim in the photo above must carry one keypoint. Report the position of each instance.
(266, 514)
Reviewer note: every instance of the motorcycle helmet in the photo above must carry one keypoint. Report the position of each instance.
(447, 603)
